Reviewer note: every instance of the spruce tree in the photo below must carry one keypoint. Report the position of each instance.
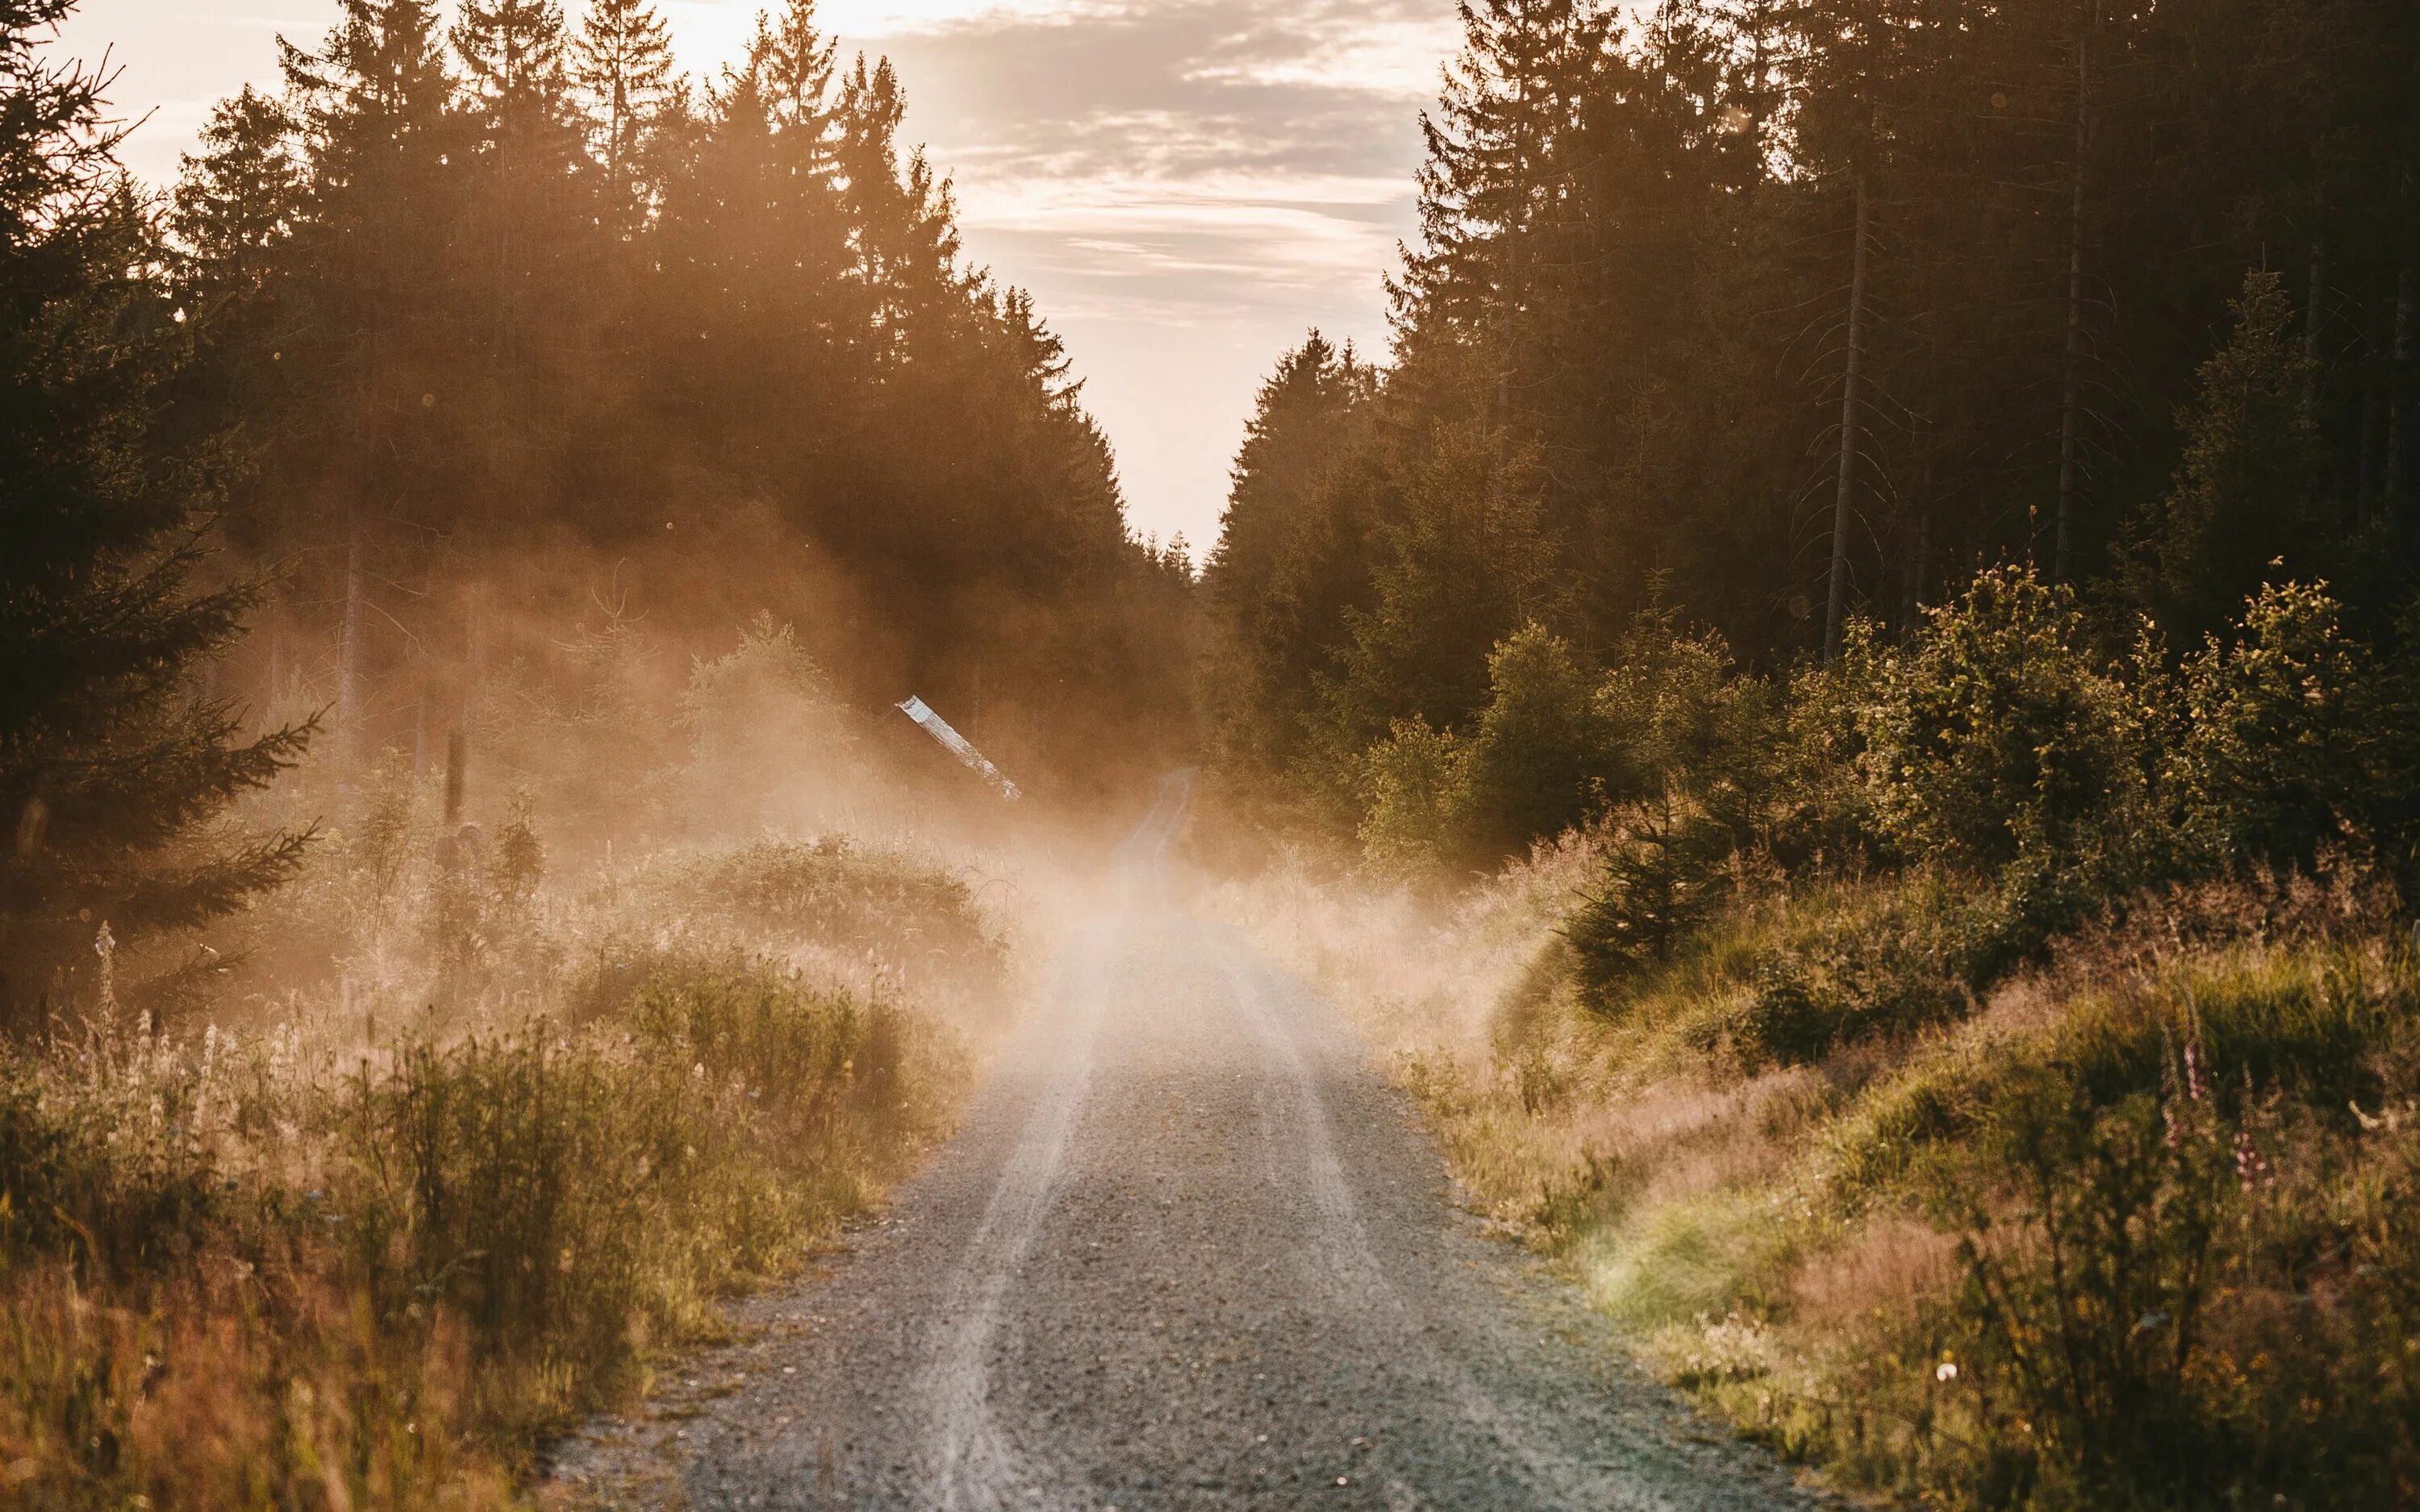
(2242, 512)
(239, 198)
(114, 759)
(622, 60)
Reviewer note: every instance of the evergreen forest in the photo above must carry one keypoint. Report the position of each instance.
(1837, 705)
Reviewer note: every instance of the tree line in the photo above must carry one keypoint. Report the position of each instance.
(1773, 315)
(485, 325)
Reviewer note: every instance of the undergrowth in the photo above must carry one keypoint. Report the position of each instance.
(2127, 1226)
(372, 1244)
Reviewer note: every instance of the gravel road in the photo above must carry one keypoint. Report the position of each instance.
(1189, 1250)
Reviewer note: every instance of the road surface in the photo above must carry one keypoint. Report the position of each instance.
(1187, 1251)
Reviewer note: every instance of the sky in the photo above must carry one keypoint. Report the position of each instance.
(1187, 186)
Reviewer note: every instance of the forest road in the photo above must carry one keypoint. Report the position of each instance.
(1189, 1250)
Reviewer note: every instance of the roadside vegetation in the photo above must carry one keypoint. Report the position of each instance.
(1986, 1066)
(453, 930)
(369, 1243)
(1844, 698)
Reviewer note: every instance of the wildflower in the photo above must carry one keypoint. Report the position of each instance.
(2250, 1168)
(2193, 1069)
(1946, 1371)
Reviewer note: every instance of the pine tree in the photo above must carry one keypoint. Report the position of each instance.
(2242, 512)
(906, 238)
(622, 61)
(527, 137)
(1488, 183)
(237, 200)
(111, 761)
(1282, 493)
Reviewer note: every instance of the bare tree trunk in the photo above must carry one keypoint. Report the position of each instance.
(2070, 404)
(458, 771)
(2398, 377)
(1837, 607)
(2312, 316)
(1919, 546)
(2366, 458)
(348, 647)
(274, 619)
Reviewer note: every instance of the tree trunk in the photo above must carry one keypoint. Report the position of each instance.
(2312, 316)
(1837, 607)
(1920, 544)
(275, 620)
(2398, 377)
(2070, 404)
(348, 647)
(2365, 457)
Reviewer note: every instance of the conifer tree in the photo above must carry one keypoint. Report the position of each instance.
(527, 137)
(1283, 494)
(239, 198)
(112, 760)
(622, 60)
(1510, 96)
(2241, 511)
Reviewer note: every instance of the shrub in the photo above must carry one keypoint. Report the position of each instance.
(1533, 764)
(1916, 960)
(1416, 781)
(2283, 749)
(1994, 734)
(907, 911)
(1660, 876)
(1677, 716)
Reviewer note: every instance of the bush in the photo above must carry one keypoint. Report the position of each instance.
(1917, 960)
(2286, 736)
(910, 912)
(1534, 763)
(1660, 876)
(1993, 736)
(1416, 781)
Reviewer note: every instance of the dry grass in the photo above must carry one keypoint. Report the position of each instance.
(365, 1241)
(1786, 1241)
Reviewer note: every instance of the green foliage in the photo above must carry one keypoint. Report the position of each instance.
(1660, 876)
(2243, 511)
(2287, 742)
(1917, 962)
(1417, 780)
(1463, 562)
(1533, 762)
(115, 763)
(1995, 738)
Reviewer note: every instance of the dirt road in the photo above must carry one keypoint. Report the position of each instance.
(1188, 1251)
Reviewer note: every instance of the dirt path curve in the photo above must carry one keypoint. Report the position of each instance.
(1187, 1251)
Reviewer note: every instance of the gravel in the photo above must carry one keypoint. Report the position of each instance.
(1189, 1250)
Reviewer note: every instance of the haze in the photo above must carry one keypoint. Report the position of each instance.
(1185, 185)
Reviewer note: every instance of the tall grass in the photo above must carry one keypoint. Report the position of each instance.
(457, 1156)
(245, 1268)
(2129, 1227)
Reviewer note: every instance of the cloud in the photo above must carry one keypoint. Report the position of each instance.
(1185, 187)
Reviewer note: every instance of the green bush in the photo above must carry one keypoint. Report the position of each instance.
(2287, 738)
(1660, 876)
(1534, 765)
(1995, 735)
(1917, 960)
(1416, 779)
